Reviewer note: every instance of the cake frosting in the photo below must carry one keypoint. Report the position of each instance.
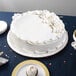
(31, 71)
(37, 26)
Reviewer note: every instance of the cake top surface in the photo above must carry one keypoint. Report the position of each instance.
(37, 26)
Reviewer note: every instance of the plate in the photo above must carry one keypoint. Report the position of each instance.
(20, 69)
(19, 48)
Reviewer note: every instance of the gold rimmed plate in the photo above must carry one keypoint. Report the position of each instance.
(20, 69)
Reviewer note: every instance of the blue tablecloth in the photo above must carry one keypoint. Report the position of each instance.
(61, 64)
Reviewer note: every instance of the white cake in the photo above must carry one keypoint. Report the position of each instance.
(37, 29)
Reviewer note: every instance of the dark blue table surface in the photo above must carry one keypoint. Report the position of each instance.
(61, 64)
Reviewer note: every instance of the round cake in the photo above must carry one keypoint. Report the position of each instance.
(37, 30)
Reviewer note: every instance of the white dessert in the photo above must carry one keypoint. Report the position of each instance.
(3, 27)
(31, 70)
(38, 32)
(39, 26)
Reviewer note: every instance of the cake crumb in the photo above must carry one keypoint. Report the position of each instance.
(4, 45)
(74, 26)
(15, 56)
(71, 54)
(50, 64)
(64, 61)
(10, 50)
(6, 55)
